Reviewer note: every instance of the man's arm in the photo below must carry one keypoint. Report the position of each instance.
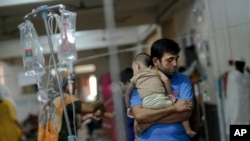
(173, 113)
(172, 118)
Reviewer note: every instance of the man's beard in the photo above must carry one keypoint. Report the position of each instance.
(169, 73)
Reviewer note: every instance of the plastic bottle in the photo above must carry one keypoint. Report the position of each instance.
(32, 51)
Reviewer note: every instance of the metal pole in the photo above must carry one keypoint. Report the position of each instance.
(114, 69)
(43, 11)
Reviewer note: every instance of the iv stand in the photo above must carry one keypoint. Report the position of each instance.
(43, 10)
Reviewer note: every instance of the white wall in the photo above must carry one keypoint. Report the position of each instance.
(184, 23)
(225, 27)
(229, 27)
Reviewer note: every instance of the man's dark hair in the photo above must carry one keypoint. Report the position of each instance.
(161, 46)
(126, 75)
(144, 58)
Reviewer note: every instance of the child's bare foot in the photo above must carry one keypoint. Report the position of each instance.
(191, 133)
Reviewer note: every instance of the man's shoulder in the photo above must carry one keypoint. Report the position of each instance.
(181, 77)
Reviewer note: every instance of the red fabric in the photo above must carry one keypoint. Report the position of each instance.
(106, 91)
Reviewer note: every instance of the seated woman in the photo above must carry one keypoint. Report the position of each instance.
(52, 122)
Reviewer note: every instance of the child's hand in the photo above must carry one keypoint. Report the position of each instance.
(172, 98)
(129, 113)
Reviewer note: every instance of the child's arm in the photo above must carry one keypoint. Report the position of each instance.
(129, 90)
(166, 82)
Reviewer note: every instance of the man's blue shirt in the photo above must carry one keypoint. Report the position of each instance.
(182, 89)
(129, 124)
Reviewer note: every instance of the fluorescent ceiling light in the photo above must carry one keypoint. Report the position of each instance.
(85, 68)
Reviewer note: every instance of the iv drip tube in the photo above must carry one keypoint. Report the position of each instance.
(43, 10)
(71, 90)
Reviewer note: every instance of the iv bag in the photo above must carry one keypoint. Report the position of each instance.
(32, 51)
(66, 51)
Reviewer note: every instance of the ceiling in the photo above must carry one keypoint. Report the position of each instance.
(90, 13)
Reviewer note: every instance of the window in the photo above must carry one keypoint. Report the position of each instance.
(89, 88)
(88, 68)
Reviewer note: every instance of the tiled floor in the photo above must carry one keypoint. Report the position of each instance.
(97, 135)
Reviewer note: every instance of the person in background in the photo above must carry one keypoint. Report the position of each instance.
(10, 129)
(108, 123)
(125, 77)
(52, 123)
(165, 123)
(238, 95)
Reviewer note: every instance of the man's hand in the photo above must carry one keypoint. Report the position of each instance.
(183, 105)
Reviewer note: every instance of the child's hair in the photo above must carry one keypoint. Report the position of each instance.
(144, 58)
